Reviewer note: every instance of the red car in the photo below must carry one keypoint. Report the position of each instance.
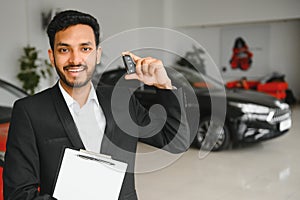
(9, 94)
(272, 84)
(276, 89)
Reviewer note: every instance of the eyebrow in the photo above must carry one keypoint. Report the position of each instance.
(67, 45)
(62, 44)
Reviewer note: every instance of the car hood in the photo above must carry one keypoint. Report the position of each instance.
(247, 96)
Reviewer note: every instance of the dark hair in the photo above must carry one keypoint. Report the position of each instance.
(69, 18)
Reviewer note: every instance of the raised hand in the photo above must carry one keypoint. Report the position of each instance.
(150, 71)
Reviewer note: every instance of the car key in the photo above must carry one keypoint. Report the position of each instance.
(129, 64)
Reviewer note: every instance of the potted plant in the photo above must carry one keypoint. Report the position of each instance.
(32, 68)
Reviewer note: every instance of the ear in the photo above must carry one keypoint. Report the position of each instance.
(51, 57)
(99, 53)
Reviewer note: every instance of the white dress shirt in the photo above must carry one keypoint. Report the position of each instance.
(89, 119)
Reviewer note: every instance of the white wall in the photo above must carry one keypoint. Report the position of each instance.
(13, 37)
(201, 19)
(282, 51)
(285, 52)
(21, 25)
(208, 12)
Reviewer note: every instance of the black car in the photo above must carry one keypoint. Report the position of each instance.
(9, 94)
(238, 115)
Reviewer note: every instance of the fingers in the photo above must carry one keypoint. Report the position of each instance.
(148, 66)
(149, 70)
(133, 56)
(132, 77)
(144, 67)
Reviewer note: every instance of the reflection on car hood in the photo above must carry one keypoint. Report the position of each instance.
(247, 96)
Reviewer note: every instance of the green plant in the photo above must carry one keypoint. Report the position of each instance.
(32, 68)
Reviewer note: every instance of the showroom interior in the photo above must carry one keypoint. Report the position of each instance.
(205, 34)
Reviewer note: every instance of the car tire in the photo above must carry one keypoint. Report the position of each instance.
(212, 135)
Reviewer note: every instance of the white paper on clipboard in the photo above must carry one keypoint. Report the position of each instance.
(87, 176)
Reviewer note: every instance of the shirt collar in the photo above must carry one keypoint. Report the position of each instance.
(93, 96)
(70, 101)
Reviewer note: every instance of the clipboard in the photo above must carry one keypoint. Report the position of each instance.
(85, 175)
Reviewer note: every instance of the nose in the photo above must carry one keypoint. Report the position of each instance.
(75, 57)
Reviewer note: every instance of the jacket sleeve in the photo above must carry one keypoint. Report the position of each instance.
(165, 126)
(21, 167)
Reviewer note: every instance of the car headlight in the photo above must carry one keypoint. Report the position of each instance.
(281, 105)
(251, 108)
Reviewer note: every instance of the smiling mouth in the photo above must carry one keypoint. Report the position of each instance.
(75, 69)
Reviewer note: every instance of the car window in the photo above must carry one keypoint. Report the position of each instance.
(9, 94)
(194, 78)
(180, 77)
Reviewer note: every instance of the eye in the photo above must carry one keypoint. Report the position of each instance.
(63, 50)
(86, 49)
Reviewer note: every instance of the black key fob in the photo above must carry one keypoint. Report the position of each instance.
(129, 64)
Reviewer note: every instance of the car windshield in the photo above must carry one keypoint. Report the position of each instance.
(9, 94)
(195, 79)
(180, 76)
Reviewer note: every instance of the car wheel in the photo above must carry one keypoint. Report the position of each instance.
(212, 135)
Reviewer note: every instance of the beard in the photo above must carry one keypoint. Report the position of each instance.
(75, 83)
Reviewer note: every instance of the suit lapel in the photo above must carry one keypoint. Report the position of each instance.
(104, 97)
(65, 116)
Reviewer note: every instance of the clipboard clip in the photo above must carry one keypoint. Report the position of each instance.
(95, 159)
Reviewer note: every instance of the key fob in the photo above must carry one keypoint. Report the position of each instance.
(129, 64)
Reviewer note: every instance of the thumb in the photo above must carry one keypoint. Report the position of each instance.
(131, 76)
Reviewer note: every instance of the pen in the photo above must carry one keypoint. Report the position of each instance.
(95, 159)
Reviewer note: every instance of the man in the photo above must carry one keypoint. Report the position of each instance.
(72, 114)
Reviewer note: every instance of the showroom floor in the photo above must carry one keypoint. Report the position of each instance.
(264, 171)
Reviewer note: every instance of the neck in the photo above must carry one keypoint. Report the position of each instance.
(79, 94)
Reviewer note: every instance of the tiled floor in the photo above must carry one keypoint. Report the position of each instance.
(264, 171)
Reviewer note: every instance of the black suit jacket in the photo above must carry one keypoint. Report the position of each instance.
(42, 126)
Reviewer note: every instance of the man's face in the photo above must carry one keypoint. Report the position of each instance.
(75, 55)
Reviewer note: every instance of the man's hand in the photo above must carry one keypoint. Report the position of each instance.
(150, 71)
